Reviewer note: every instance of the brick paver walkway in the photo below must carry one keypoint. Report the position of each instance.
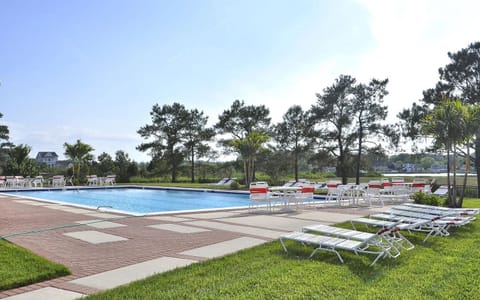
(143, 241)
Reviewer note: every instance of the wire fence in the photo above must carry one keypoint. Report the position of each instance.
(471, 191)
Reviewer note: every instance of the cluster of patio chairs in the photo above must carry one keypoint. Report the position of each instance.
(16, 182)
(388, 242)
(95, 180)
(20, 182)
(280, 196)
(375, 192)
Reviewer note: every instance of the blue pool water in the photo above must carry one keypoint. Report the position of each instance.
(141, 201)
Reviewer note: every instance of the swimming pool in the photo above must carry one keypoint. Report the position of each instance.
(141, 200)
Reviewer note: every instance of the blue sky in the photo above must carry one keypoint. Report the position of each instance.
(92, 70)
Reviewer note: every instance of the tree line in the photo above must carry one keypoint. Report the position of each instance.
(345, 122)
(15, 160)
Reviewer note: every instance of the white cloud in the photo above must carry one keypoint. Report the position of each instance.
(410, 43)
(412, 39)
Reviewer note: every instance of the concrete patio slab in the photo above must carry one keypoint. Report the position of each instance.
(100, 224)
(95, 237)
(325, 217)
(267, 233)
(224, 248)
(54, 206)
(272, 222)
(178, 228)
(75, 210)
(32, 202)
(49, 293)
(168, 218)
(102, 215)
(214, 215)
(117, 277)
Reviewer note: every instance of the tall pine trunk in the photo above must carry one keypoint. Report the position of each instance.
(448, 178)
(359, 157)
(477, 161)
(467, 169)
(193, 165)
(296, 164)
(454, 195)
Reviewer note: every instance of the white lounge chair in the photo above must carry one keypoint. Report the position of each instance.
(435, 211)
(387, 242)
(409, 224)
(448, 218)
(442, 191)
(413, 221)
(290, 183)
(222, 181)
(459, 211)
(333, 244)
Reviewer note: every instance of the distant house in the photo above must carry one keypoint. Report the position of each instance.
(329, 169)
(49, 158)
(411, 168)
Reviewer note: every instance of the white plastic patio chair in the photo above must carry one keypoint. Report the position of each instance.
(333, 193)
(260, 196)
(110, 179)
(58, 181)
(37, 181)
(304, 195)
(92, 180)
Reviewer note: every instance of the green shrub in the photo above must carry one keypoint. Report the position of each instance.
(234, 185)
(427, 199)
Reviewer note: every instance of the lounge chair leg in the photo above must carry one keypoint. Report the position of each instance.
(283, 245)
(377, 258)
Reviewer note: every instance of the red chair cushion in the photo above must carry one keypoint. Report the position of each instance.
(307, 189)
(258, 190)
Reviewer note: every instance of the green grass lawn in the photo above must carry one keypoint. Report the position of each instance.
(441, 268)
(20, 267)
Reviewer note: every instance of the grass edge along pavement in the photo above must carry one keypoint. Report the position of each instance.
(441, 268)
(20, 267)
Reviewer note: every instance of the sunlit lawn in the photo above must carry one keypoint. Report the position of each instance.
(441, 268)
(19, 267)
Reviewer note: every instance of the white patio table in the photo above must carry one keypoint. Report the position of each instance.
(285, 193)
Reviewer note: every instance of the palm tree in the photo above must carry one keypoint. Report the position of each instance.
(79, 153)
(249, 148)
(472, 125)
(447, 124)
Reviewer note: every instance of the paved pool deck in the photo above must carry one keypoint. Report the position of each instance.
(104, 250)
